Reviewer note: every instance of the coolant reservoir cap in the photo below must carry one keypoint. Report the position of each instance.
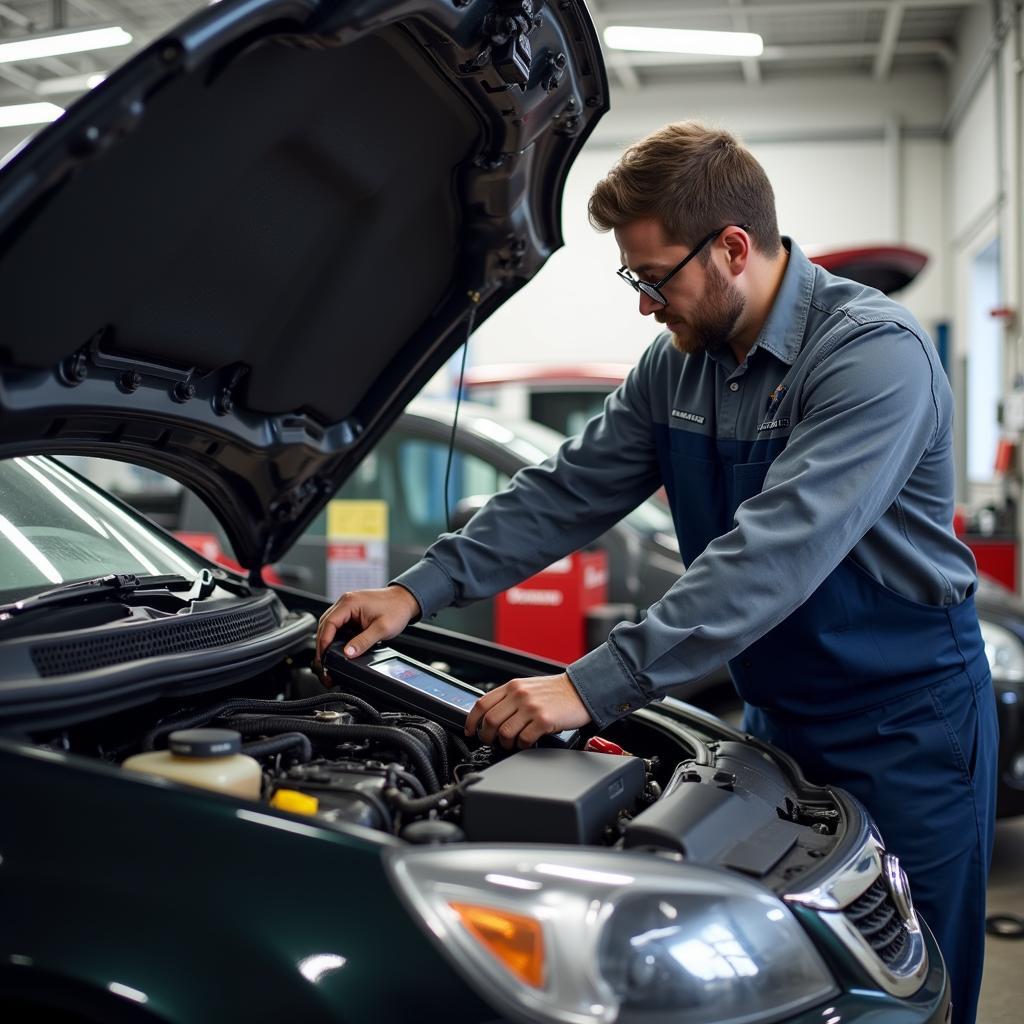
(204, 742)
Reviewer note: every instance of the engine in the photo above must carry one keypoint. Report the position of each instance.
(341, 759)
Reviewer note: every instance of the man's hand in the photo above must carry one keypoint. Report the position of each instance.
(523, 710)
(380, 614)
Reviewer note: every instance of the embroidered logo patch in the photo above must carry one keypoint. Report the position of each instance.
(776, 395)
(775, 424)
(691, 417)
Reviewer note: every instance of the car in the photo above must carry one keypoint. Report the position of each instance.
(195, 827)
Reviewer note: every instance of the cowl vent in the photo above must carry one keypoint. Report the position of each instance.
(136, 643)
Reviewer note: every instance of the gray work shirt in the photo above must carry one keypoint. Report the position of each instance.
(845, 388)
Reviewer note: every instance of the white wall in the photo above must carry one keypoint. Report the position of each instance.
(984, 174)
(851, 161)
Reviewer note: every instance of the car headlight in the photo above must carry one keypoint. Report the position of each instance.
(1004, 651)
(583, 936)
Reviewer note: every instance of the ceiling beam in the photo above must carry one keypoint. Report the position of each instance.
(19, 78)
(740, 22)
(8, 13)
(887, 45)
(114, 13)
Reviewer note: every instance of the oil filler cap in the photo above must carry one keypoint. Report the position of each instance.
(204, 742)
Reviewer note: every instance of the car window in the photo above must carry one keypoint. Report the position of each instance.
(55, 528)
(566, 411)
(407, 472)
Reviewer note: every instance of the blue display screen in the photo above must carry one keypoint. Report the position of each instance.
(424, 682)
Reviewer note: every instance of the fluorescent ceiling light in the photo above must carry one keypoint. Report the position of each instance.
(29, 113)
(68, 83)
(35, 47)
(682, 40)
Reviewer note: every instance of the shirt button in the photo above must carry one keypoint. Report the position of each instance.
(623, 707)
(734, 386)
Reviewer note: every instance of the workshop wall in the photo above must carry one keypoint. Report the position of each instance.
(852, 161)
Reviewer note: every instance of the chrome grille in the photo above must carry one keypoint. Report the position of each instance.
(875, 916)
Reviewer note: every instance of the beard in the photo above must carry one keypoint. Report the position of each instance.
(712, 328)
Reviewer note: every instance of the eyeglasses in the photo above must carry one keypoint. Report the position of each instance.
(653, 291)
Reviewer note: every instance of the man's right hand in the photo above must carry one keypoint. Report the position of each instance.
(380, 614)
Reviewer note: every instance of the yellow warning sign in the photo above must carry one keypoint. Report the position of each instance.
(364, 520)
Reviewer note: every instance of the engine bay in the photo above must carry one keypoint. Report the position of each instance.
(361, 753)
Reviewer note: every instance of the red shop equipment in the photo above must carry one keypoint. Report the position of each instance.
(546, 614)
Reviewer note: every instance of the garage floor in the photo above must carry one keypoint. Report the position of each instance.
(1002, 988)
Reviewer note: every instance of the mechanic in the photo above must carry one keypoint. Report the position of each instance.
(801, 425)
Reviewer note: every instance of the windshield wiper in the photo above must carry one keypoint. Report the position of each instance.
(113, 585)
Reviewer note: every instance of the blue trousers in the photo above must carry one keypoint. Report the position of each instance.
(925, 766)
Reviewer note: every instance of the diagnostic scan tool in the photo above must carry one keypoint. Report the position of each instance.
(409, 684)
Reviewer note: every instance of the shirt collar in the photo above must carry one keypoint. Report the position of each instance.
(783, 331)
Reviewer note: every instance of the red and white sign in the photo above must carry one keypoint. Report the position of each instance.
(546, 614)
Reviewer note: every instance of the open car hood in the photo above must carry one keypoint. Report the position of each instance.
(264, 233)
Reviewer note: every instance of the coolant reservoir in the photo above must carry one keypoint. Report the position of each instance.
(210, 758)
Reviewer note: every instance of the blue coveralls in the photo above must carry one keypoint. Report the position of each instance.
(812, 493)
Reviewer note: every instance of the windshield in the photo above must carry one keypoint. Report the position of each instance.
(55, 528)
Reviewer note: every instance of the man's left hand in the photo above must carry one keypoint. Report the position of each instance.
(523, 710)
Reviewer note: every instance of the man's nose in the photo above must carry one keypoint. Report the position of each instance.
(648, 305)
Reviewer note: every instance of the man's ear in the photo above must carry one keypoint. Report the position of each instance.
(737, 245)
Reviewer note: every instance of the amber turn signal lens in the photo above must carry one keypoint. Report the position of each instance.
(515, 940)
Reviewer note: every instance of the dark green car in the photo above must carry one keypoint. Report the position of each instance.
(274, 225)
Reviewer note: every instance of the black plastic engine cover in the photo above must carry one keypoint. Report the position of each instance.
(551, 796)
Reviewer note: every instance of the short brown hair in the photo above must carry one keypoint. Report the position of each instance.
(694, 179)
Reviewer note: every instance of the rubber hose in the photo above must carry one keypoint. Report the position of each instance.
(436, 733)
(441, 735)
(190, 721)
(437, 754)
(331, 731)
(420, 805)
(277, 744)
(407, 777)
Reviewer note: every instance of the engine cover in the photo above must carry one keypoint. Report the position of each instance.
(551, 796)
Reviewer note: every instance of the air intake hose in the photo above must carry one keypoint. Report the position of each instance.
(278, 744)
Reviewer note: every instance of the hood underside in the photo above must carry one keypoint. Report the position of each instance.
(238, 258)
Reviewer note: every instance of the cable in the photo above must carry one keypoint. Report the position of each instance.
(475, 299)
